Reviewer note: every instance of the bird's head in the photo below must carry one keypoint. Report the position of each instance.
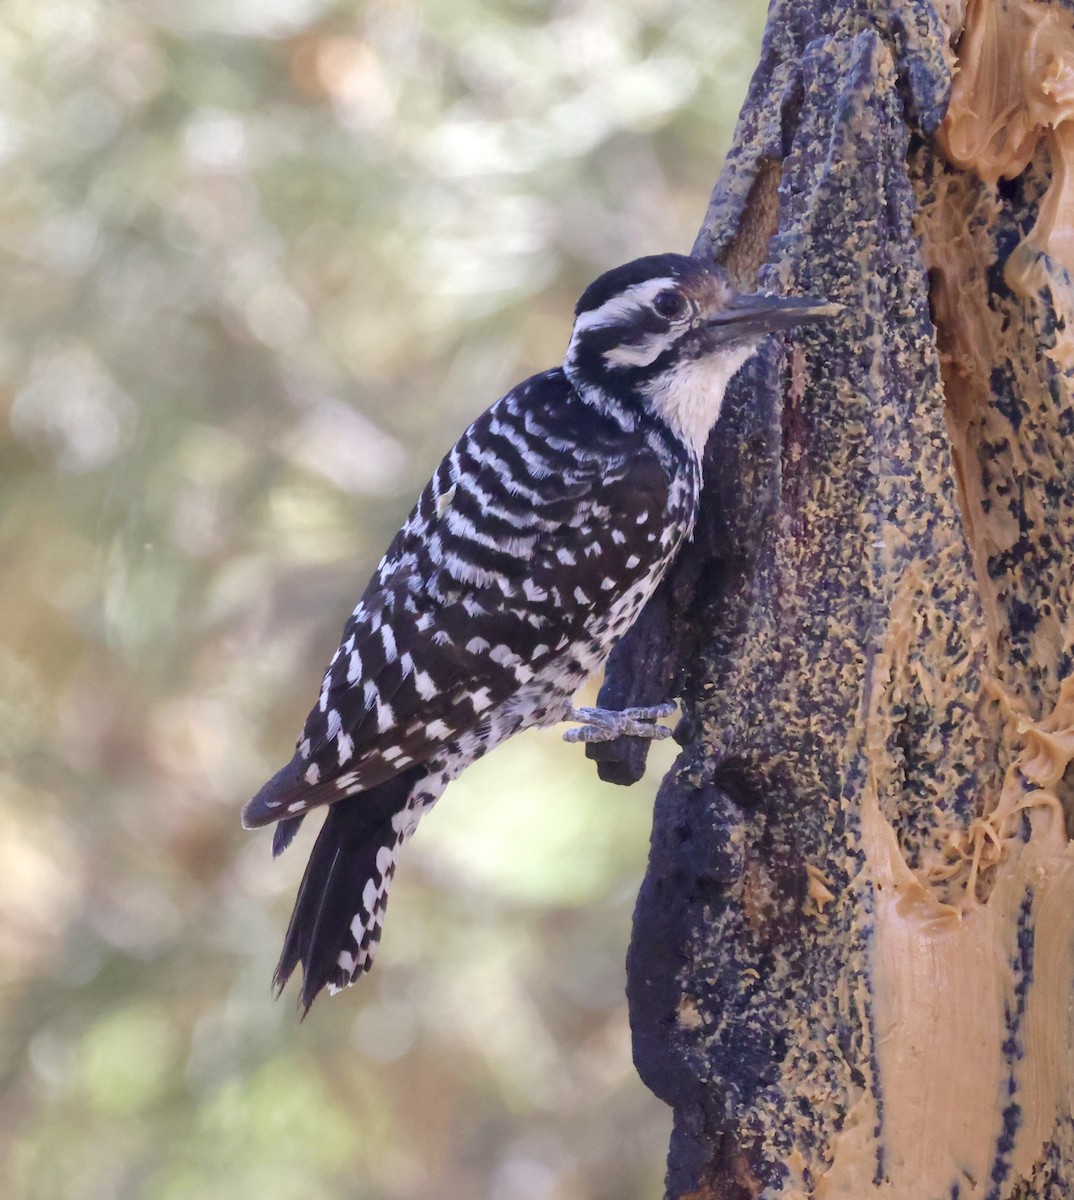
(667, 333)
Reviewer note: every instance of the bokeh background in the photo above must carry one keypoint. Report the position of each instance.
(260, 262)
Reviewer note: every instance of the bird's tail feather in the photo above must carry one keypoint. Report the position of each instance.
(339, 910)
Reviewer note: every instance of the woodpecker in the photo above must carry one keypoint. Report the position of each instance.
(534, 546)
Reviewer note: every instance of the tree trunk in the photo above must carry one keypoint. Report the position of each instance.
(853, 954)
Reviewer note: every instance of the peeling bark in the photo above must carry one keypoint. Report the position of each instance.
(853, 951)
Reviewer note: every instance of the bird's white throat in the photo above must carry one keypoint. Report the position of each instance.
(690, 397)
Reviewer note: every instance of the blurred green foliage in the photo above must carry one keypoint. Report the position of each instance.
(261, 261)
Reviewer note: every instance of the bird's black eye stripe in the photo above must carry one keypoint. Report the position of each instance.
(669, 303)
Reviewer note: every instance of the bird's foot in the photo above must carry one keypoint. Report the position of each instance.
(604, 724)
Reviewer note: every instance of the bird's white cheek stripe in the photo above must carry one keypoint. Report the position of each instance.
(612, 311)
(640, 355)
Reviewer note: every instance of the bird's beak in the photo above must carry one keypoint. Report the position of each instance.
(753, 315)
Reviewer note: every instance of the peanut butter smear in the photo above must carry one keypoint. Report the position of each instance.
(1014, 88)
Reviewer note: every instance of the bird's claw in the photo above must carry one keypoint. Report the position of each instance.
(605, 724)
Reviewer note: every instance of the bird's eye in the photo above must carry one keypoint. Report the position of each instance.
(669, 303)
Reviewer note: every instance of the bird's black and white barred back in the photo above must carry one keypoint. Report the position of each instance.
(532, 549)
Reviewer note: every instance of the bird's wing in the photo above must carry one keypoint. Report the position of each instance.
(506, 563)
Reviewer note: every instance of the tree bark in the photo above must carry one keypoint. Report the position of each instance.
(853, 953)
